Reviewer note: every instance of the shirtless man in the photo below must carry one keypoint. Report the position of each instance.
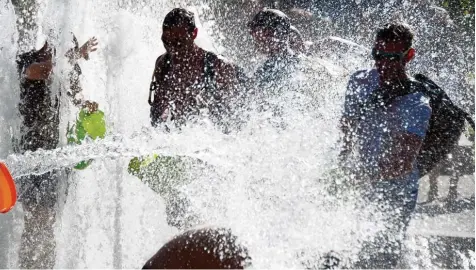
(188, 78)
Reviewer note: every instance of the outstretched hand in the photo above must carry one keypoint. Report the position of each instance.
(88, 47)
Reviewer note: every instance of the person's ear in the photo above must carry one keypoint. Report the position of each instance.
(410, 55)
(195, 33)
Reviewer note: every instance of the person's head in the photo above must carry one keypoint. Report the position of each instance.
(392, 50)
(296, 43)
(270, 29)
(179, 30)
(206, 248)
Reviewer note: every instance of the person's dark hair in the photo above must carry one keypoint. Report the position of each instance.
(179, 17)
(396, 33)
(271, 19)
(206, 248)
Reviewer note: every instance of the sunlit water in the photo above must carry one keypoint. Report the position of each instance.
(265, 180)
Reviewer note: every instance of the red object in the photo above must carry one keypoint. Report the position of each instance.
(8, 192)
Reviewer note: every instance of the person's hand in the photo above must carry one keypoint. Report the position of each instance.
(91, 106)
(88, 47)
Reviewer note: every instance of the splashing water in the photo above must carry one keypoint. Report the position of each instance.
(265, 180)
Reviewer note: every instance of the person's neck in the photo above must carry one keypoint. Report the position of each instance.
(395, 78)
(395, 85)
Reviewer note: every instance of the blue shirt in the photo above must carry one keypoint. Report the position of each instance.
(374, 127)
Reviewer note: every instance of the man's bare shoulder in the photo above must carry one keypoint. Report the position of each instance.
(159, 62)
(364, 76)
(223, 65)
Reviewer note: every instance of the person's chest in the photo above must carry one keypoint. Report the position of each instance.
(184, 78)
(377, 125)
(380, 117)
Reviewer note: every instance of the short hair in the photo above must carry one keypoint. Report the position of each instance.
(206, 248)
(394, 32)
(179, 17)
(272, 19)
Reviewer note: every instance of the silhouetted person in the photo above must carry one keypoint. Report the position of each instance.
(40, 111)
(188, 78)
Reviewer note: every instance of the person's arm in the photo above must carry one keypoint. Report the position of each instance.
(73, 55)
(160, 100)
(400, 159)
(226, 77)
(38, 70)
(346, 127)
(348, 120)
(406, 140)
(76, 53)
